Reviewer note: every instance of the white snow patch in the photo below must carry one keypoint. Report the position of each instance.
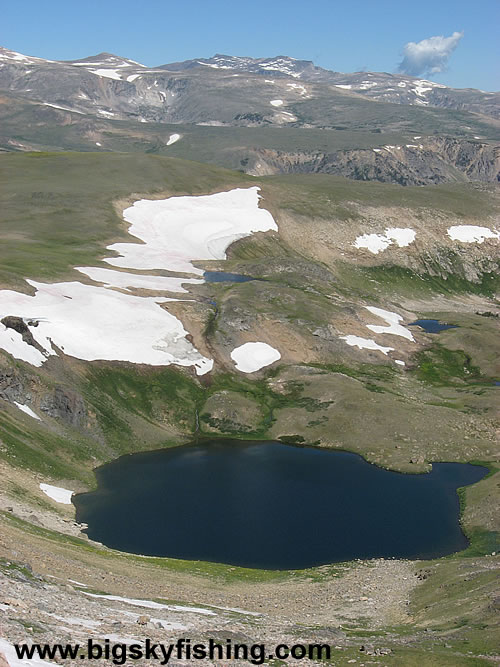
(419, 137)
(365, 343)
(57, 106)
(10, 653)
(276, 103)
(57, 493)
(149, 604)
(103, 112)
(93, 323)
(124, 280)
(12, 342)
(299, 87)
(78, 583)
(177, 230)
(27, 410)
(471, 233)
(97, 143)
(399, 362)
(392, 319)
(251, 357)
(173, 138)
(403, 236)
(76, 620)
(107, 73)
(377, 150)
(133, 77)
(268, 81)
(341, 85)
(376, 243)
(402, 84)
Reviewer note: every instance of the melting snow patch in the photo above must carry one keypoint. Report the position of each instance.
(12, 342)
(149, 604)
(56, 106)
(251, 357)
(133, 77)
(276, 103)
(341, 85)
(93, 323)
(173, 138)
(99, 323)
(10, 653)
(471, 233)
(373, 242)
(365, 343)
(27, 410)
(399, 362)
(57, 493)
(107, 73)
(180, 229)
(124, 280)
(376, 243)
(392, 320)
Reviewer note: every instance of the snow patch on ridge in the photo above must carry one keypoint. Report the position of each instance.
(365, 343)
(376, 243)
(173, 138)
(392, 319)
(27, 410)
(251, 357)
(471, 233)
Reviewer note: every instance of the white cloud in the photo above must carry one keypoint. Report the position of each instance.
(430, 55)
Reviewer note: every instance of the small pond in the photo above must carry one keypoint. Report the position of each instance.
(271, 505)
(432, 326)
(224, 277)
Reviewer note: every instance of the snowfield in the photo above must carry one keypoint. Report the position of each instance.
(124, 280)
(173, 138)
(251, 357)
(392, 320)
(93, 323)
(276, 103)
(471, 233)
(57, 493)
(365, 343)
(177, 230)
(100, 323)
(376, 243)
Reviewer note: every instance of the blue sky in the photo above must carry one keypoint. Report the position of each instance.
(343, 36)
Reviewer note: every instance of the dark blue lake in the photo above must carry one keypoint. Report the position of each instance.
(432, 326)
(271, 505)
(225, 277)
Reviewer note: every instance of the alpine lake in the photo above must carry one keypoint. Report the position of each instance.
(271, 505)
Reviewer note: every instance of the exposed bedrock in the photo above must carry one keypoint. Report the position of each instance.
(438, 160)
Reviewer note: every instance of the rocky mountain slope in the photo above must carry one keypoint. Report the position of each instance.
(396, 88)
(227, 111)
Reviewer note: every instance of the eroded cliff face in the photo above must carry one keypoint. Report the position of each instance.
(432, 161)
